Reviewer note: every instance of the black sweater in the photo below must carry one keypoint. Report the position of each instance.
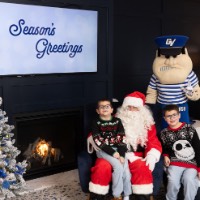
(109, 134)
(182, 145)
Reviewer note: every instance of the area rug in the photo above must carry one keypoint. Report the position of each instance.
(61, 186)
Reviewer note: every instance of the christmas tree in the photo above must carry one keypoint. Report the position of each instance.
(11, 171)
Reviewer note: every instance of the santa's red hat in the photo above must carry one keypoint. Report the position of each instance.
(136, 99)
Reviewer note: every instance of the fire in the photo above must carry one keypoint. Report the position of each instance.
(42, 148)
(43, 151)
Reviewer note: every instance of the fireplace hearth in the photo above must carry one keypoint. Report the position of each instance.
(49, 140)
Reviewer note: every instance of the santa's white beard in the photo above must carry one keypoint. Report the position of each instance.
(136, 125)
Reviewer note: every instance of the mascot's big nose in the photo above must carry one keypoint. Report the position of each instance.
(170, 61)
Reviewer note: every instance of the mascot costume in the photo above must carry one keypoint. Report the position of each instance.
(173, 80)
(141, 136)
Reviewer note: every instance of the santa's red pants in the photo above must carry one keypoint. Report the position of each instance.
(101, 175)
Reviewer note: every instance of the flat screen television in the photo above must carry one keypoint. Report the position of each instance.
(38, 39)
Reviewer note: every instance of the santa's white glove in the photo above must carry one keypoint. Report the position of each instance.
(91, 146)
(150, 161)
(131, 157)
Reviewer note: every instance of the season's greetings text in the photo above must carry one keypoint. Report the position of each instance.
(43, 45)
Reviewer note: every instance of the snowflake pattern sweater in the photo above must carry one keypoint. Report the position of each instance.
(182, 146)
(109, 135)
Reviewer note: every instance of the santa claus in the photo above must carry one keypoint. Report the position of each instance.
(144, 150)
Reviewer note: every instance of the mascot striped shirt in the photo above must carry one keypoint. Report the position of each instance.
(172, 93)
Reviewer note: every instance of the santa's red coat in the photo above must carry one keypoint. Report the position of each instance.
(141, 180)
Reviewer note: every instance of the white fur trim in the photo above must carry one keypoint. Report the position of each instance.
(131, 157)
(155, 153)
(143, 189)
(98, 189)
(132, 101)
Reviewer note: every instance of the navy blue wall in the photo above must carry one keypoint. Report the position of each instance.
(136, 25)
(51, 92)
(126, 51)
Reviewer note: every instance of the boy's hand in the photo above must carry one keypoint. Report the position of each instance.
(166, 161)
(116, 155)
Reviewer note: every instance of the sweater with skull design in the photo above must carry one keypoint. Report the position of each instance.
(182, 146)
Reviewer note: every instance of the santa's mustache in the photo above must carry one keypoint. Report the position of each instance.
(131, 114)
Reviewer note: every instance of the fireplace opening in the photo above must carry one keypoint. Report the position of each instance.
(49, 141)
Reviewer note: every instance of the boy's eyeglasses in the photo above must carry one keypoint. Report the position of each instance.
(172, 116)
(105, 107)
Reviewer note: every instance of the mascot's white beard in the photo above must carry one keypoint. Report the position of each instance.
(136, 125)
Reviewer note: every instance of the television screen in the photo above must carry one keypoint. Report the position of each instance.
(43, 40)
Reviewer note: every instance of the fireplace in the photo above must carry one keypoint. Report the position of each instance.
(50, 140)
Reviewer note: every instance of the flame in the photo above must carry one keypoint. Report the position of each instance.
(52, 151)
(42, 148)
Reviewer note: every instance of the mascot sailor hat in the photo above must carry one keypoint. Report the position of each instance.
(171, 45)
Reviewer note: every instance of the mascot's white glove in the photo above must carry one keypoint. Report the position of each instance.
(91, 146)
(195, 94)
(150, 161)
(192, 94)
(131, 157)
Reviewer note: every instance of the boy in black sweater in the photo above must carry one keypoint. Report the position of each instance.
(108, 134)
